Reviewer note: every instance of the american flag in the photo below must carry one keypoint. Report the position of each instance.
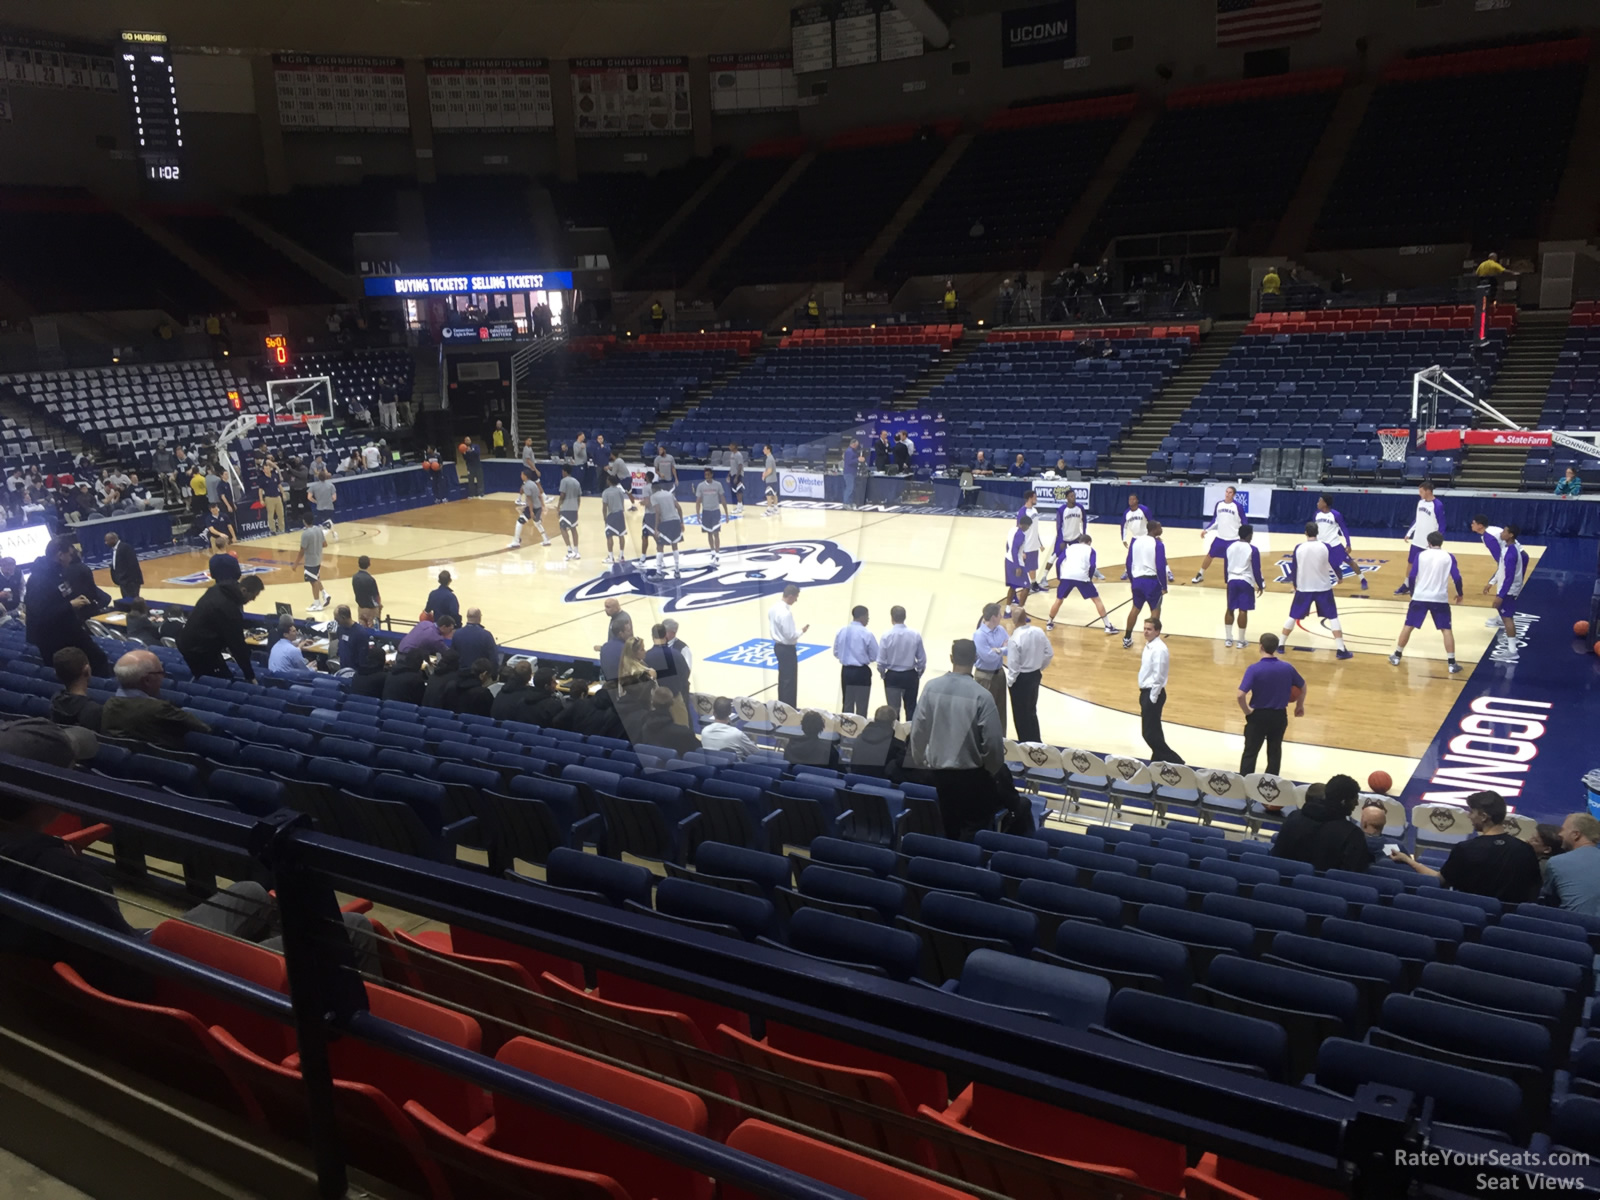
(1242, 21)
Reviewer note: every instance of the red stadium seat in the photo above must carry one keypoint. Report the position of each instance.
(611, 1037)
(707, 1015)
(271, 1039)
(475, 1171)
(510, 993)
(167, 1044)
(533, 1134)
(863, 1177)
(970, 1163)
(373, 1133)
(922, 1085)
(870, 1087)
(1216, 1178)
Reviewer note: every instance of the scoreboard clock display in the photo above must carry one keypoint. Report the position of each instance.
(147, 69)
(277, 346)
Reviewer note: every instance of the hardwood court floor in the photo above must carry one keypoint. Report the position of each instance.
(1362, 714)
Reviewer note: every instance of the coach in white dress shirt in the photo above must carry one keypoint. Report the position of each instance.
(785, 637)
(1027, 654)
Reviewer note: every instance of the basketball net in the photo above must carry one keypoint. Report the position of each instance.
(1395, 443)
(314, 424)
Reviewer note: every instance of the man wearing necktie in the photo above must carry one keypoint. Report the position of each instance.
(856, 649)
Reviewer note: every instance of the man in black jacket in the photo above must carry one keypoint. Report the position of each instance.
(371, 675)
(217, 624)
(529, 696)
(661, 728)
(1321, 831)
(405, 681)
(71, 705)
(468, 690)
(125, 570)
(61, 596)
(444, 671)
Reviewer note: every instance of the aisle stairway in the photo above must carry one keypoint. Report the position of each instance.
(1518, 392)
(916, 395)
(1129, 456)
(633, 448)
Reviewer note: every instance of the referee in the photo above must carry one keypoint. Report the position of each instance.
(856, 649)
(1264, 695)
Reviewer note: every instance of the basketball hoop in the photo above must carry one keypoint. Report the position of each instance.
(314, 424)
(1395, 443)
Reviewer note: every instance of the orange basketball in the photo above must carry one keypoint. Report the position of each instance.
(1380, 782)
(1580, 629)
(1297, 693)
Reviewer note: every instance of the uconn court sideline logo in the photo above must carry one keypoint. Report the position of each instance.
(747, 573)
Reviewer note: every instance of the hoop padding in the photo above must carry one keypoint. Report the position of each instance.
(1395, 443)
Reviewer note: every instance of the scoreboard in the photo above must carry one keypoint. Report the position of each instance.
(277, 347)
(147, 69)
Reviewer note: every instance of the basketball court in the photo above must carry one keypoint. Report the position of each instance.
(1361, 714)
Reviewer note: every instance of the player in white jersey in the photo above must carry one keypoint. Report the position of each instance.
(1506, 585)
(1429, 520)
(1491, 542)
(1242, 574)
(1224, 530)
(1069, 527)
(1313, 586)
(1033, 543)
(1135, 521)
(708, 496)
(1333, 533)
(1428, 583)
(530, 507)
(1075, 572)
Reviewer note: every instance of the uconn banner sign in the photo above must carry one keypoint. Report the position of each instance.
(1041, 33)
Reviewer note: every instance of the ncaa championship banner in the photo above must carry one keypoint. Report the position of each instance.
(800, 485)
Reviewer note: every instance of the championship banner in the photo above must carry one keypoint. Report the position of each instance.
(343, 93)
(800, 485)
(1052, 493)
(631, 97)
(752, 83)
(489, 95)
(39, 60)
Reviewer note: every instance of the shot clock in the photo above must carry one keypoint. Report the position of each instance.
(277, 345)
(146, 62)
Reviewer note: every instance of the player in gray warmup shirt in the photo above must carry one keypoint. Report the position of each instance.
(669, 524)
(310, 561)
(666, 466)
(571, 493)
(769, 476)
(611, 504)
(323, 495)
(736, 465)
(708, 495)
(530, 507)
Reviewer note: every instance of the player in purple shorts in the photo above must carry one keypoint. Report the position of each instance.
(1432, 573)
(1033, 543)
(1018, 581)
(1430, 519)
(1492, 543)
(1224, 529)
(1075, 570)
(1147, 575)
(1507, 583)
(1135, 522)
(1333, 533)
(1313, 588)
(1242, 569)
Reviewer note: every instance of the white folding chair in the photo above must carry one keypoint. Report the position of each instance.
(849, 725)
(753, 716)
(1394, 813)
(1175, 784)
(1271, 797)
(1222, 792)
(1440, 826)
(704, 704)
(1130, 780)
(1087, 773)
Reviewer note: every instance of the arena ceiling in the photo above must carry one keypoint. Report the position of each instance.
(421, 28)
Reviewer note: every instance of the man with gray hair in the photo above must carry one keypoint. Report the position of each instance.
(286, 657)
(673, 640)
(138, 712)
(1573, 878)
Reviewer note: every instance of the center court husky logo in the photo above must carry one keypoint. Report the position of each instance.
(1366, 566)
(743, 574)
